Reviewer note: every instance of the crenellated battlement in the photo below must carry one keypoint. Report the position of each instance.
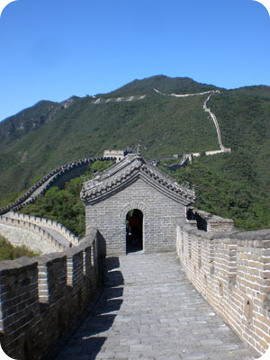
(41, 226)
(42, 297)
(231, 269)
(52, 243)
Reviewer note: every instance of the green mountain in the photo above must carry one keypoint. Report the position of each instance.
(162, 83)
(50, 134)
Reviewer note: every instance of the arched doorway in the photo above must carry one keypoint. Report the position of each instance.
(134, 231)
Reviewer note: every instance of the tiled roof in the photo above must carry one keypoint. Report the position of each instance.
(126, 172)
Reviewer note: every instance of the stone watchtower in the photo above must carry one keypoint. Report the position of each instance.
(135, 206)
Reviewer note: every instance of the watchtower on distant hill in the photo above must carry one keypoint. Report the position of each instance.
(117, 154)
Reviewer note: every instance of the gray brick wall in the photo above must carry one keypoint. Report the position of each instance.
(41, 298)
(232, 272)
(160, 216)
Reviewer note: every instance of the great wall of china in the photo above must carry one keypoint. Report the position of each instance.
(222, 148)
(229, 268)
(43, 297)
(210, 93)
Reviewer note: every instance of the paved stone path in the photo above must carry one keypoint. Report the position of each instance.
(149, 310)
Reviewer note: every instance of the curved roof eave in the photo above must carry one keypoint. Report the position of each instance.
(110, 187)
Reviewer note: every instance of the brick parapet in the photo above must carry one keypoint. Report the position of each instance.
(208, 222)
(42, 297)
(22, 224)
(232, 271)
(19, 298)
(74, 267)
(44, 222)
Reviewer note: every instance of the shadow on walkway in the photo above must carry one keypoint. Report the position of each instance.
(162, 317)
(106, 310)
(88, 336)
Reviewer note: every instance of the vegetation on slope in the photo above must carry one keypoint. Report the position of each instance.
(234, 185)
(244, 121)
(222, 193)
(162, 83)
(26, 121)
(65, 205)
(217, 192)
(9, 252)
(162, 125)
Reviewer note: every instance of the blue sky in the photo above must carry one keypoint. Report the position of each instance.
(53, 49)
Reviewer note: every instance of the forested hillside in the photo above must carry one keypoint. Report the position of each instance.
(235, 185)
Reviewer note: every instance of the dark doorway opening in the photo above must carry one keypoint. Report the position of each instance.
(134, 231)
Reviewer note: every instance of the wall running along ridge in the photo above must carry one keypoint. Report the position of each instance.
(57, 177)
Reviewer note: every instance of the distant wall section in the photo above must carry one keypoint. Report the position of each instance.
(57, 177)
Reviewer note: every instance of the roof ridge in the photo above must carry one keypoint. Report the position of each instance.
(127, 171)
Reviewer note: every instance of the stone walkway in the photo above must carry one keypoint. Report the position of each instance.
(149, 310)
